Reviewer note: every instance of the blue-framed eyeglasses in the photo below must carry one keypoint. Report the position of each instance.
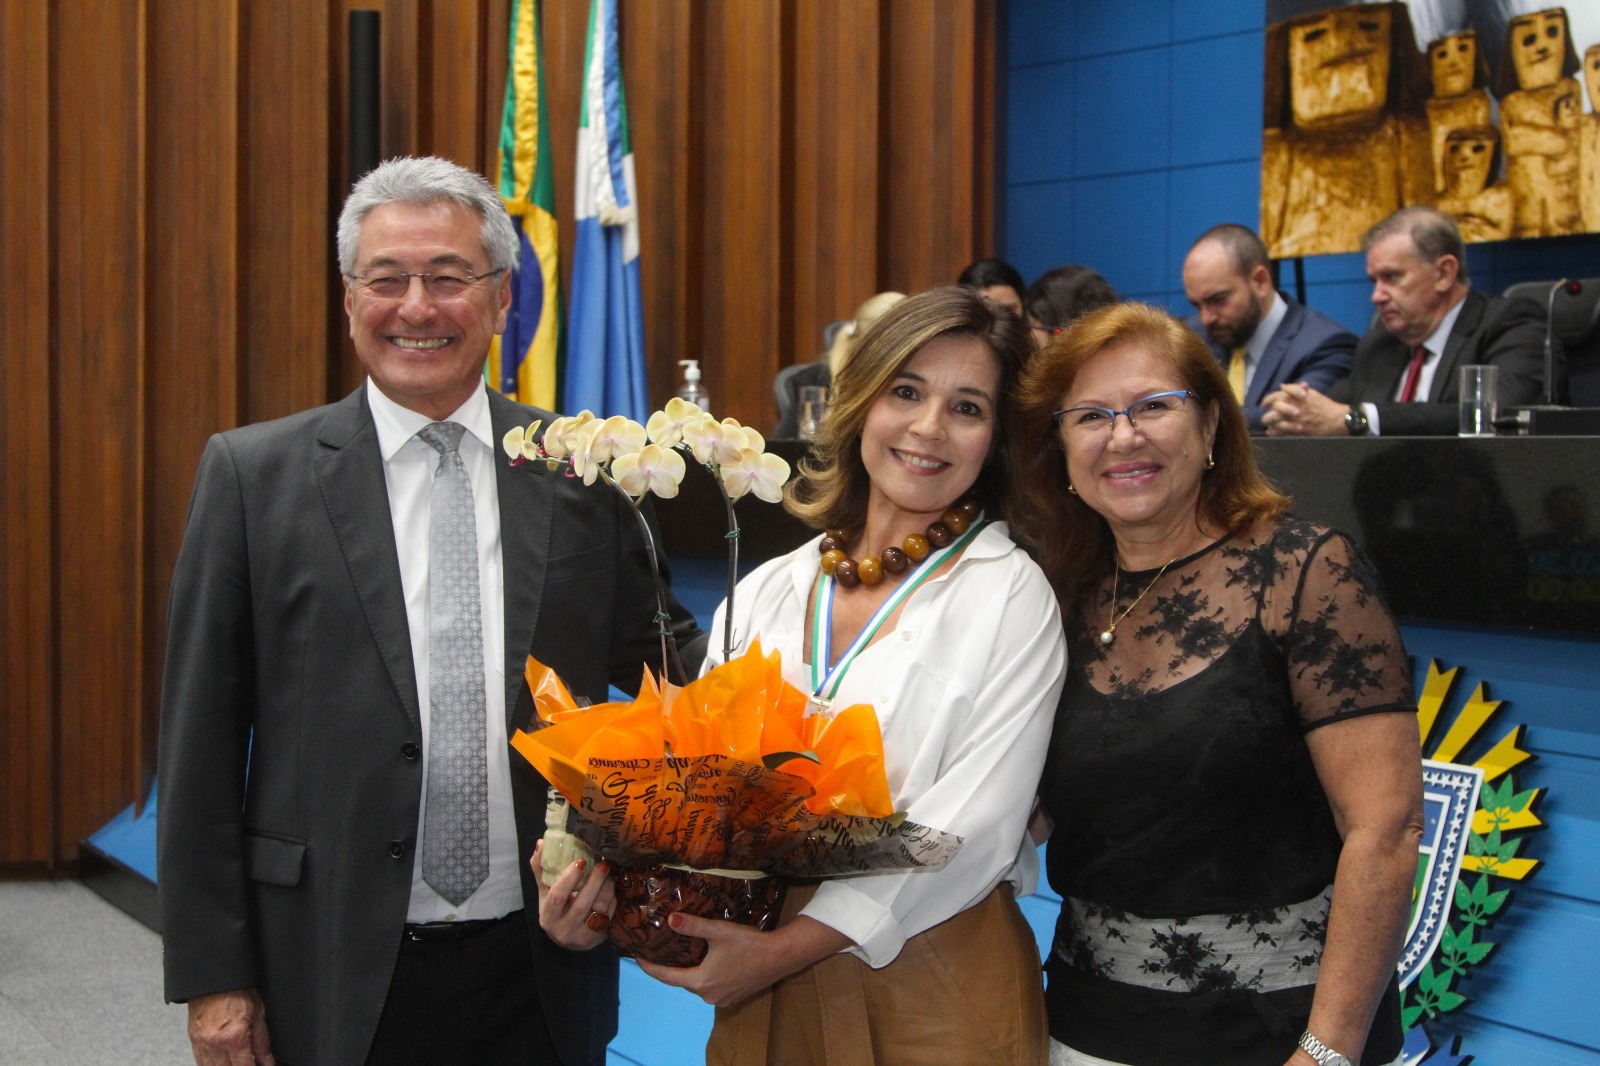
(1147, 412)
(392, 286)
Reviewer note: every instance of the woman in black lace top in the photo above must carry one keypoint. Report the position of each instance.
(1234, 776)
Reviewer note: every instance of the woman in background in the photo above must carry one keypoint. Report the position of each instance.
(996, 279)
(1061, 295)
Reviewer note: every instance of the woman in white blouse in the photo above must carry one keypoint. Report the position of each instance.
(918, 603)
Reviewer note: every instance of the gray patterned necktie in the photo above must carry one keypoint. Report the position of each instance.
(455, 827)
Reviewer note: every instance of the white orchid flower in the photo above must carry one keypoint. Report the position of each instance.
(522, 443)
(732, 443)
(581, 440)
(752, 436)
(666, 426)
(702, 435)
(561, 439)
(758, 473)
(651, 469)
(615, 436)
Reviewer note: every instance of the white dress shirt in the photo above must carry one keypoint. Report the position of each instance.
(965, 689)
(1434, 344)
(408, 468)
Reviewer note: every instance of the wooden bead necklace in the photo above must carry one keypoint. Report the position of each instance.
(895, 562)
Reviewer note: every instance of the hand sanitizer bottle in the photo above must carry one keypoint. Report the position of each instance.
(691, 389)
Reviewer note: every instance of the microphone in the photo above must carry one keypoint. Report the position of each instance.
(1572, 288)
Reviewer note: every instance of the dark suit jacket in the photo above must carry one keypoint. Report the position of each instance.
(288, 800)
(1490, 330)
(1308, 346)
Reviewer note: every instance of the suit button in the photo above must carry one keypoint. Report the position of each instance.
(396, 849)
(409, 749)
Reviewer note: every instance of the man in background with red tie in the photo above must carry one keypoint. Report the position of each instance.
(1431, 324)
(1262, 338)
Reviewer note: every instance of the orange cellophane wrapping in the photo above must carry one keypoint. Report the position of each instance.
(743, 709)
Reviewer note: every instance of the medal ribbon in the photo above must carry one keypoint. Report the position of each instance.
(824, 679)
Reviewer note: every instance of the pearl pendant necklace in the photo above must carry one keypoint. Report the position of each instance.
(1109, 633)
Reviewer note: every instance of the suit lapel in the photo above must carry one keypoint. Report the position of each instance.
(1272, 355)
(1443, 386)
(349, 473)
(1392, 367)
(527, 494)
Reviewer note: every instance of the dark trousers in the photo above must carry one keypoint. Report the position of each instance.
(464, 997)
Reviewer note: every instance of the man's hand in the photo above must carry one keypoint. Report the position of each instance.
(230, 1029)
(1298, 410)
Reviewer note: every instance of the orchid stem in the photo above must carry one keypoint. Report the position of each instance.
(671, 664)
(733, 569)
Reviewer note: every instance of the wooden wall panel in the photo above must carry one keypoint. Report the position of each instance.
(661, 51)
(27, 462)
(173, 169)
(457, 90)
(836, 166)
(741, 272)
(289, 296)
(930, 211)
(192, 360)
(101, 282)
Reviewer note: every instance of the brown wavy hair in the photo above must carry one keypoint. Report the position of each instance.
(1072, 543)
(831, 491)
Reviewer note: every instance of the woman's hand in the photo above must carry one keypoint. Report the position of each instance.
(740, 961)
(576, 911)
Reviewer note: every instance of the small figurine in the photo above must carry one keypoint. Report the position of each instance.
(1539, 128)
(1459, 98)
(561, 848)
(1482, 211)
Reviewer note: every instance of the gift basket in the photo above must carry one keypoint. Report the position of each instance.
(705, 796)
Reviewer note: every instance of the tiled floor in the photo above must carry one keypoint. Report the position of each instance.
(80, 982)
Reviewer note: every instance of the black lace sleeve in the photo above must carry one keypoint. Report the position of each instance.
(1344, 651)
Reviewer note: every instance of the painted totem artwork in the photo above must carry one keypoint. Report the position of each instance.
(1359, 121)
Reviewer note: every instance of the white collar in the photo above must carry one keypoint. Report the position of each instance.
(397, 425)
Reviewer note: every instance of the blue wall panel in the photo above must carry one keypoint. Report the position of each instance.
(1046, 240)
(1119, 27)
(1215, 105)
(1040, 143)
(1125, 218)
(1119, 111)
(1040, 31)
(1203, 196)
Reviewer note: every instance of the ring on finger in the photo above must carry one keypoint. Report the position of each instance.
(598, 921)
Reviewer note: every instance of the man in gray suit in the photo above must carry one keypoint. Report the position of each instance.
(1431, 323)
(1261, 337)
(342, 675)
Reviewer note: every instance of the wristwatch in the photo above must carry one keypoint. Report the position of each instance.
(1324, 1054)
(1355, 421)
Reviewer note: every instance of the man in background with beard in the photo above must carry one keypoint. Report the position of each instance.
(1261, 337)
